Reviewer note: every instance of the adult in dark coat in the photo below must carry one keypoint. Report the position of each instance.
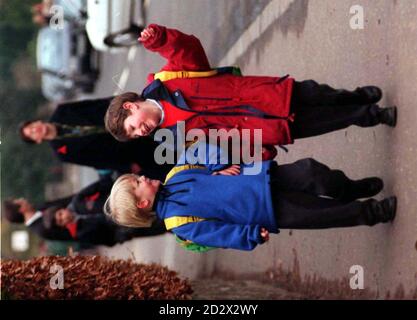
(93, 227)
(76, 133)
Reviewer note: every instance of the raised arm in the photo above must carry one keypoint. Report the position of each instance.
(183, 52)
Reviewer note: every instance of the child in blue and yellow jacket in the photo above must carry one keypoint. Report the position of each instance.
(217, 205)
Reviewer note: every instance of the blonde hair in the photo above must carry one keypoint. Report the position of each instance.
(121, 205)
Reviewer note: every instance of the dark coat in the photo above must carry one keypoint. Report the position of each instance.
(61, 202)
(101, 151)
(54, 233)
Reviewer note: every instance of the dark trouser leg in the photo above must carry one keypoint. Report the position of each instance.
(321, 109)
(304, 211)
(311, 93)
(312, 177)
(314, 121)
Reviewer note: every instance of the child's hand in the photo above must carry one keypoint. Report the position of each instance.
(233, 170)
(146, 34)
(264, 234)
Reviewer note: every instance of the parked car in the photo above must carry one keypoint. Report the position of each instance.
(73, 9)
(114, 23)
(66, 60)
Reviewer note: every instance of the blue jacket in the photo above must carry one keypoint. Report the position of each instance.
(236, 207)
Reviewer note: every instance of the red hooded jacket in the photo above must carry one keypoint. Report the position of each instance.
(242, 102)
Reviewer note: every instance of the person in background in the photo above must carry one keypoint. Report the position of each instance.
(77, 135)
(21, 211)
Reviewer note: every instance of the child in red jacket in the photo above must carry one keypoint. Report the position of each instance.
(188, 89)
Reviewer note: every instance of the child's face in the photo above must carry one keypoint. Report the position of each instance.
(143, 119)
(63, 217)
(36, 131)
(145, 190)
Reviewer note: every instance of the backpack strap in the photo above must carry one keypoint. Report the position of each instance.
(176, 221)
(169, 75)
(177, 169)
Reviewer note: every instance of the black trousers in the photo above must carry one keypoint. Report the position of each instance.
(297, 191)
(320, 109)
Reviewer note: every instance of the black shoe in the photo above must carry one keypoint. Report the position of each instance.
(388, 116)
(385, 210)
(370, 94)
(364, 188)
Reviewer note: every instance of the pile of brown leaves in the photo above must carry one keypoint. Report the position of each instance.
(90, 277)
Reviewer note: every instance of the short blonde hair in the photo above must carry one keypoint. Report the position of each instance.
(121, 205)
